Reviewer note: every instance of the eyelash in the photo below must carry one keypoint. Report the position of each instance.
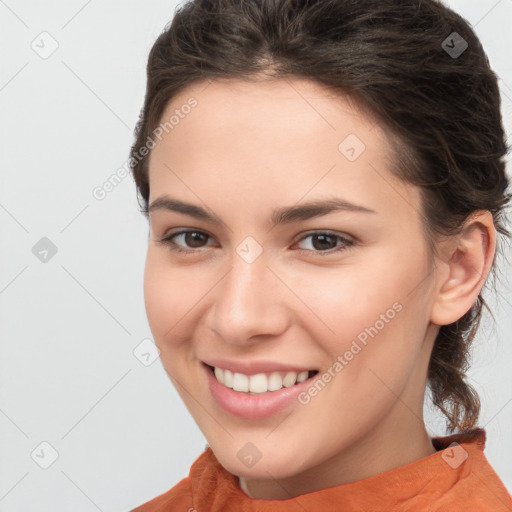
(347, 243)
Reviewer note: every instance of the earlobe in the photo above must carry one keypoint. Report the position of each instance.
(468, 259)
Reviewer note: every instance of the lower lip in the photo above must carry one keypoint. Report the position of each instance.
(255, 406)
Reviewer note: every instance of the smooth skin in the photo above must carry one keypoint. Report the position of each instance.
(243, 151)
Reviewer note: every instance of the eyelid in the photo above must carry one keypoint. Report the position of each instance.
(180, 231)
(347, 237)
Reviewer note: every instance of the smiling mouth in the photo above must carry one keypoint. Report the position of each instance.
(261, 382)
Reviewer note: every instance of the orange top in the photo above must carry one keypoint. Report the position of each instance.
(456, 478)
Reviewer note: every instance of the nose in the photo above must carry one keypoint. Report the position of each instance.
(249, 302)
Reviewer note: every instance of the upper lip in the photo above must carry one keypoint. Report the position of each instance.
(254, 367)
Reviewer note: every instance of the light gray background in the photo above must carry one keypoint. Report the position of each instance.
(68, 328)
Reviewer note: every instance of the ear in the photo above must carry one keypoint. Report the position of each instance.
(463, 268)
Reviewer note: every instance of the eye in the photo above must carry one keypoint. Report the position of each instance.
(191, 236)
(319, 241)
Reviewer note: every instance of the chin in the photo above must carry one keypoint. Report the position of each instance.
(279, 466)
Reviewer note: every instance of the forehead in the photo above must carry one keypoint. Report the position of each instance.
(280, 116)
(286, 134)
(285, 99)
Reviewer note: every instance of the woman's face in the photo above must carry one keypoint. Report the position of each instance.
(346, 291)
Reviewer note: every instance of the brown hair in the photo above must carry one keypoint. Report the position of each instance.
(442, 112)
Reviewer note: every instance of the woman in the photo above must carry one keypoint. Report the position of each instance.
(325, 187)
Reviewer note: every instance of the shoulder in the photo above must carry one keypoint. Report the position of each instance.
(468, 480)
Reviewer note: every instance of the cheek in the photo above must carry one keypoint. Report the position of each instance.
(167, 298)
(347, 300)
(366, 312)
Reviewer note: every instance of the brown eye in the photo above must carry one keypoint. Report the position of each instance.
(326, 243)
(191, 239)
(194, 238)
(322, 243)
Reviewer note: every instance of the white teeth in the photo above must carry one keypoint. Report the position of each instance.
(259, 383)
(228, 378)
(302, 376)
(275, 381)
(240, 382)
(290, 379)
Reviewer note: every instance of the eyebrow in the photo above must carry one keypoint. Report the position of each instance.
(283, 215)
